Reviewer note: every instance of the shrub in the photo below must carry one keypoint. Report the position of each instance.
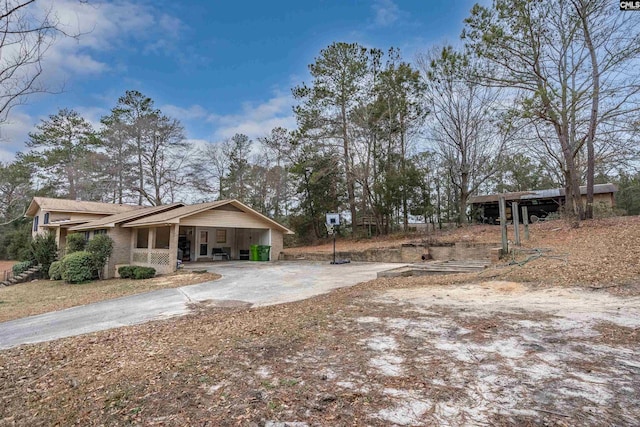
(126, 271)
(43, 252)
(55, 271)
(77, 267)
(21, 267)
(143, 273)
(100, 248)
(136, 272)
(15, 242)
(75, 243)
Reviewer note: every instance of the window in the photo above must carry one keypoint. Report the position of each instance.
(35, 223)
(87, 235)
(142, 238)
(162, 238)
(98, 232)
(221, 236)
(46, 218)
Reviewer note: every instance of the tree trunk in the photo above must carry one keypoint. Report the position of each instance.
(595, 99)
(405, 208)
(464, 196)
(347, 169)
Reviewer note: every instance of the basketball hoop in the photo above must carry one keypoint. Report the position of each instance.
(330, 229)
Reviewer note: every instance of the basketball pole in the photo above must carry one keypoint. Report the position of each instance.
(334, 247)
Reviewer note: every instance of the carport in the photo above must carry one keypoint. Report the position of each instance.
(204, 243)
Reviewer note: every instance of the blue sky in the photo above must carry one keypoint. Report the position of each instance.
(220, 67)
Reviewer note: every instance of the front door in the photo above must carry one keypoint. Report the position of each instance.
(204, 243)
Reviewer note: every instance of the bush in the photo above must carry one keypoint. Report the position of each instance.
(14, 242)
(143, 273)
(55, 271)
(43, 252)
(77, 267)
(21, 267)
(126, 271)
(75, 243)
(100, 247)
(136, 272)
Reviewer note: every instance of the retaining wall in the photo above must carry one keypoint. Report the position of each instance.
(410, 253)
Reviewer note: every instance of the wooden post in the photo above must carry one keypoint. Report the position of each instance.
(503, 224)
(525, 221)
(515, 214)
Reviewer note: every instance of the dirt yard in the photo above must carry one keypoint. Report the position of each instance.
(551, 338)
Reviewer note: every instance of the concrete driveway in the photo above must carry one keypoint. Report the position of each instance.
(254, 283)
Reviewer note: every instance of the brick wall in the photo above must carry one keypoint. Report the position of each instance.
(277, 244)
(121, 254)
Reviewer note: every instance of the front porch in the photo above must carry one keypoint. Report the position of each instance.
(162, 247)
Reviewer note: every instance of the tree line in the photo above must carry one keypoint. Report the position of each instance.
(538, 94)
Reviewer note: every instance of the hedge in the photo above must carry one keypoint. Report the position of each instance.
(21, 267)
(55, 271)
(126, 271)
(77, 267)
(76, 242)
(136, 272)
(143, 273)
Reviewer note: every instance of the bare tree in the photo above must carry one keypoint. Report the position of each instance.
(465, 123)
(575, 63)
(163, 157)
(26, 33)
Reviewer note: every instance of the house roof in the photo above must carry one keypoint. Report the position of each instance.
(66, 205)
(174, 216)
(64, 222)
(540, 194)
(111, 220)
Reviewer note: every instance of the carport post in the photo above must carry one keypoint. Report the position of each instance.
(502, 204)
(525, 221)
(515, 213)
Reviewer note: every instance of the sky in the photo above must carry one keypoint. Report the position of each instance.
(221, 67)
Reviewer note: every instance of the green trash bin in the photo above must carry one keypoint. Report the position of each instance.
(253, 253)
(263, 252)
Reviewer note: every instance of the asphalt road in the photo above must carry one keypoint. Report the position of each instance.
(254, 283)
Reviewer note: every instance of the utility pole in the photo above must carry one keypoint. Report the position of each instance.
(502, 205)
(525, 221)
(515, 214)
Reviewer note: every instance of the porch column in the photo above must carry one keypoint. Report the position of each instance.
(174, 232)
(134, 234)
(150, 238)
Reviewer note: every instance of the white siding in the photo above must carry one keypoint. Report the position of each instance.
(221, 218)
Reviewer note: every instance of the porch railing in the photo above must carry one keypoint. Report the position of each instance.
(152, 256)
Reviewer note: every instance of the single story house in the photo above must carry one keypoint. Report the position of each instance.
(540, 203)
(160, 236)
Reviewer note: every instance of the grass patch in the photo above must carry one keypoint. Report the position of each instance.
(42, 296)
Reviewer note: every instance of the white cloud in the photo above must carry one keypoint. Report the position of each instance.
(104, 26)
(386, 12)
(14, 134)
(92, 115)
(256, 120)
(193, 112)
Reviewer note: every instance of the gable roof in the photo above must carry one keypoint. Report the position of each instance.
(174, 216)
(66, 205)
(540, 194)
(111, 220)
